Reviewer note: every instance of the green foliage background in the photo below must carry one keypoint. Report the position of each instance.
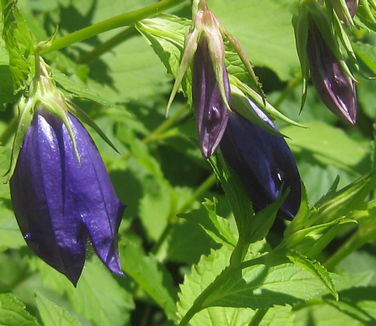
(178, 233)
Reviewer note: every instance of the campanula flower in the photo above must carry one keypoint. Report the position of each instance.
(61, 199)
(204, 46)
(263, 162)
(335, 88)
(211, 111)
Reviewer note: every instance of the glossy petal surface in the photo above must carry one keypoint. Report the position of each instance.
(335, 88)
(59, 202)
(263, 161)
(211, 112)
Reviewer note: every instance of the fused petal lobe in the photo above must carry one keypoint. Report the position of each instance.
(60, 201)
(264, 163)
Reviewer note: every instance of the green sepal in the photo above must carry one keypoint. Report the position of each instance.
(81, 115)
(240, 103)
(366, 13)
(300, 23)
(217, 56)
(190, 48)
(341, 9)
(257, 99)
(243, 57)
(342, 202)
(26, 113)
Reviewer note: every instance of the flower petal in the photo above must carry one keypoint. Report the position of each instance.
(264, 163)
(211, 111)
(335, 88)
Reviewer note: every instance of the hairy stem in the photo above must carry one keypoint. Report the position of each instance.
(126, 19)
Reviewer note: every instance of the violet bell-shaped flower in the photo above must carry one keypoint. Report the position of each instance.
(263, 162)
(61, 201)
(211, 111)
(335, 88)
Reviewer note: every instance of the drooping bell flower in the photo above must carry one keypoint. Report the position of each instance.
(61, 202)
(263, 162)
(335, 88)
(61, 192)
(204, 46)
(211, 111)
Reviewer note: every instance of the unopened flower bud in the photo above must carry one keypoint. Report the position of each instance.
(335, 88)
(211, 111)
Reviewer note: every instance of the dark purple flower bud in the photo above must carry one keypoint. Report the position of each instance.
(263, 162)
(335, 88)
(211, 111)
(60, 202)
(353, 6)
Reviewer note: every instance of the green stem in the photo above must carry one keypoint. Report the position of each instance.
(108, 45)
(287, 91)
(356, 241)
(200, 303)
(166, 124)
(258, 316)
(155, 134)
(9, 131)
(203, 188)
(126, 19)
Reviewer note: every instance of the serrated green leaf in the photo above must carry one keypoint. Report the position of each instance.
(150, 275)
(357, 306)
(20, 45)
(98, 296)
(315, 268)
(255, 287)
(53, 314)
(186, 243)
(235, 194)
(14, 313)
(80, 90)
(218, 228)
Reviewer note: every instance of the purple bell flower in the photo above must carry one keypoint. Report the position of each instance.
(353, 6)
(211, 111)
(335, 88)
(60, 202)
(263, 162)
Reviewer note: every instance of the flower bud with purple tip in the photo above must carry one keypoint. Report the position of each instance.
(263, 162)
(211, 111)
(352, 5)
(335, 88)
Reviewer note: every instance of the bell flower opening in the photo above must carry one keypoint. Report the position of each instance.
(59, 201)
